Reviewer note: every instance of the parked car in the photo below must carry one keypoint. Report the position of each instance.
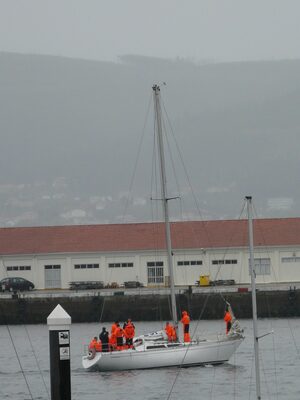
(133, 284)
(15, 284)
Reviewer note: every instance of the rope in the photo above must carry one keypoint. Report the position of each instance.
(136, 161)
(16, 352)
(37, 363)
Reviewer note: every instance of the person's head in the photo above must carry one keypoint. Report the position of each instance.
(167, 323)
(95, 338)
(103, 329)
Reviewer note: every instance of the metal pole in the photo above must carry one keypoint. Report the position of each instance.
(156, 94)
(59, 322)
(253, 288)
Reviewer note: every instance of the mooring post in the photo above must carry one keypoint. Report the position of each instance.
(59, 322)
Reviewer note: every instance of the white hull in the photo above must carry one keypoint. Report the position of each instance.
(205, 352)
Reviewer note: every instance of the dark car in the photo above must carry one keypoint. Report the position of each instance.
(15, 284)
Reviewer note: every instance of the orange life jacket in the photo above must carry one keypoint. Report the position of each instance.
(119, 332)
(185, 318)
(94, 344)
(129, 331)
(227, 317)
(112, 341)
(169, 331)
(173, 333)
(114, 327)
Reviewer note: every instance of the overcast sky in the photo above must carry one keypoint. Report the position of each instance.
(214, 30)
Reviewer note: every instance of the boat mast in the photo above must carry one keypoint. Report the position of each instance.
(165, 199)
(253, 288)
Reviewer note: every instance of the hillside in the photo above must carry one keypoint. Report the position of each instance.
(70, 130)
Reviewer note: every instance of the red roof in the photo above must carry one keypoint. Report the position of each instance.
(147, 236)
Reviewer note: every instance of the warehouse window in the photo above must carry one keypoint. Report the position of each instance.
(221, 262)
(120, 265)
(19, 268)
(84, 266)
(290, 259)
(155, 264)
(262, 266)
(52, 266)
(155, 272)
(197, 262)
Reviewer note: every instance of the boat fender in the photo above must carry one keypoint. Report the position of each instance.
(92, 353)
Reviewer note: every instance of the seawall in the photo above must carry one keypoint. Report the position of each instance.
(139, 307)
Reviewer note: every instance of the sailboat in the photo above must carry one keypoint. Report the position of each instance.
(153, 350)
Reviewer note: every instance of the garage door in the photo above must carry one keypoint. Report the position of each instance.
(52, 277)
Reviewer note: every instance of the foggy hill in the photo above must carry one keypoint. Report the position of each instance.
(237, 125)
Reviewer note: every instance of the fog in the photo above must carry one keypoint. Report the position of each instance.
(213, 30)
(70, 134)
(76, 82)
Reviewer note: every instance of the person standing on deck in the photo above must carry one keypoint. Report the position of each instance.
(228, 320)
(95, 345)
(171, 332)
(114, 327)
(104, 339)
(185, 320)
(119, 332)
(129, 333)
(168, 331)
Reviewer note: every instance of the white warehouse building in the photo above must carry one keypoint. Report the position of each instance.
(52, 257)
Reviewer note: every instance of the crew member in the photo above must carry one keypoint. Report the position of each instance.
(112, 341)
(170, 331)
(129, 332)
(228, 320)
(119, 335)
(104, 340)
(95, 345)
(185, 320)
(174, 334)
(114, 327)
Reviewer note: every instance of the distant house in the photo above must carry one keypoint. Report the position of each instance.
(53, 256)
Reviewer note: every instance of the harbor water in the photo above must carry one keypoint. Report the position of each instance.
(24, 366)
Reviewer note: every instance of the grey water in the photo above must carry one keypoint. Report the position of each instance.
(24, 366)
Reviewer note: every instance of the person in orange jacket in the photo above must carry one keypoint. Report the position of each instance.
(228, 320)
(95, 344)
(114, 327)
(112, 341)
(171, 332)
(129, 333)
(185, 320)
(168, 330)
(119, 335)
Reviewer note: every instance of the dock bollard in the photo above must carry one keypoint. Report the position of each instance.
(59, 322)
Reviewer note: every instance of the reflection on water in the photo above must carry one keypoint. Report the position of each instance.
(280, 362)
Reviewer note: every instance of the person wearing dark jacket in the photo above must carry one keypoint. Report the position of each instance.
(104, 339)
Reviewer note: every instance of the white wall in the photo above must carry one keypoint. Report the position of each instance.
(184, 275)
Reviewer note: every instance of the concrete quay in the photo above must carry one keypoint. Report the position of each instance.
(148, 304)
